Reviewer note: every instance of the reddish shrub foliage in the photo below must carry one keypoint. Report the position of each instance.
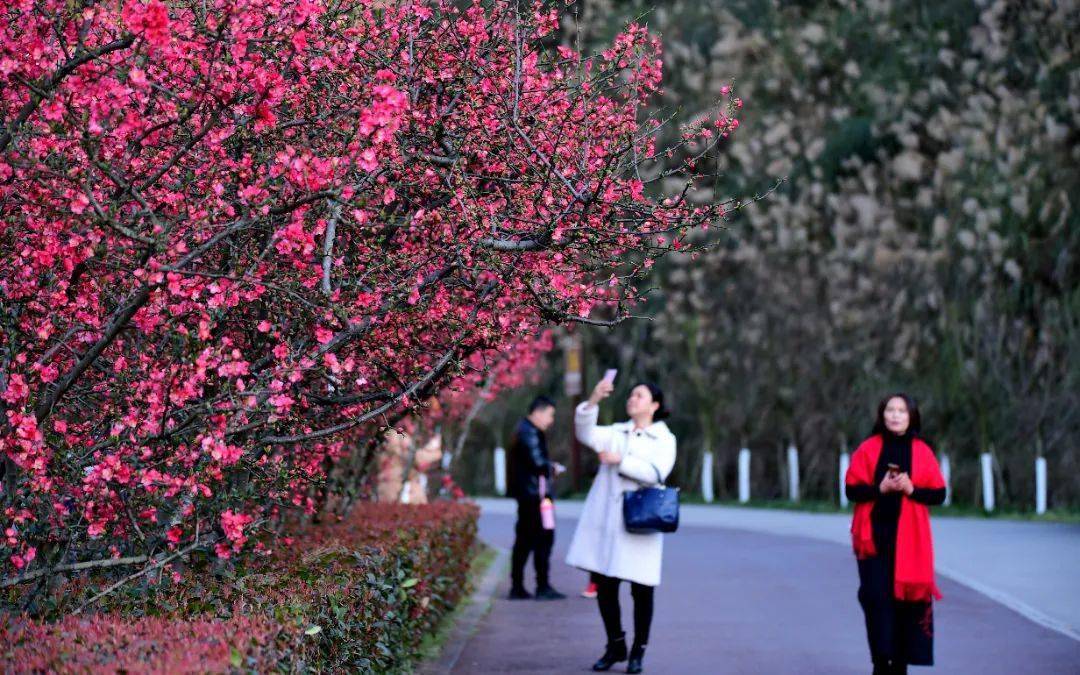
(358, 595)
(149, 645)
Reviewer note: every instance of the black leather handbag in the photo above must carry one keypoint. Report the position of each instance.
(651, 509)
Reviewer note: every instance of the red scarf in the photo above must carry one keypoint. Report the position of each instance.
(913, 578)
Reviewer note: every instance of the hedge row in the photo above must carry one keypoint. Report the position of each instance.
(358, 595)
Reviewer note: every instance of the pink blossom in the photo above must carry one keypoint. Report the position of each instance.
(151, 19)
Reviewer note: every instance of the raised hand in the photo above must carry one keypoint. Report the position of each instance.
(601, 391)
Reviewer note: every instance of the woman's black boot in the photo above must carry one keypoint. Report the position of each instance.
(637, 655)
(615, 652)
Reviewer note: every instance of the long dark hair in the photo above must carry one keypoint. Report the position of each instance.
(658, 397)
(915, 419)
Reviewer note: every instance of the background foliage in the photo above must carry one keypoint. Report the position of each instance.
(926, 237)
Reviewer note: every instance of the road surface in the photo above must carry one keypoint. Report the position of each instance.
(761, 591)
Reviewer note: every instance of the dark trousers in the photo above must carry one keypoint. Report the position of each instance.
(607, 596)
(531, 538)
(899, 633)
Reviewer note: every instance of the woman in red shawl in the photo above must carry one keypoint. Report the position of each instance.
(893, 478)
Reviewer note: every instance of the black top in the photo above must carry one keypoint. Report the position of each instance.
(528, 461)
(886, 512)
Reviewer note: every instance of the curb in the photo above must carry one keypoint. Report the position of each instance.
(479, 604)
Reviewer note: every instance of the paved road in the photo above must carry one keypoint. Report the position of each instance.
(1028, 567)
(740, 601)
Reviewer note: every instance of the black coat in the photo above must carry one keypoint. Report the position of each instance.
(528, 461)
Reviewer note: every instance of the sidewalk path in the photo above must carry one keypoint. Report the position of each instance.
(757, 591)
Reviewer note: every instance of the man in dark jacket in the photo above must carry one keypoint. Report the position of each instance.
(529, 463)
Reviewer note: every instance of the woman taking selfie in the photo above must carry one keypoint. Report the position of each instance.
(632, 454)
(893, 478)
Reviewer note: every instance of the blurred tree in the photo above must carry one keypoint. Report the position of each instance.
(926, 238)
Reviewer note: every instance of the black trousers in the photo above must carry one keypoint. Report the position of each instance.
(530, 537)
(607, 596)
(899, 633)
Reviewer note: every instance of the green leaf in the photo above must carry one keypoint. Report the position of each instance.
(314, 630)
(236, 658)
(409, 583)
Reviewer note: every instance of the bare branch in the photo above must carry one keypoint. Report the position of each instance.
(74, 567)
(511, 245)
(328, 245)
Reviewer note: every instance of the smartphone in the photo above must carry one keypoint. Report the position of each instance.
(893, 468)
(610, 374)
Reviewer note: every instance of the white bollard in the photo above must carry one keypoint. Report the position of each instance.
(744, 476)
(946, 473)
(706, 478)
(987, 481)
(845, 463)
(1040, 485)
(500, 472)
(793, 473)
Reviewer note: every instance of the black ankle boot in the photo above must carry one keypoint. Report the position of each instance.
(637, 655)
(615, 652)
(519, 593)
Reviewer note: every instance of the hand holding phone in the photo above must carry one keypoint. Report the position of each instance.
(889, 482)
(604, 387)
(904, 484)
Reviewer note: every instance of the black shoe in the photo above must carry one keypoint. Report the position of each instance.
(637, 655)
(887, 668)
(549, 593)
(615, 652)
(519, 594)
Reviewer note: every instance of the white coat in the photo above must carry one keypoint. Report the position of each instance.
(601, 542)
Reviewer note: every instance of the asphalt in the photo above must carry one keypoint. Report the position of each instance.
(746, 601)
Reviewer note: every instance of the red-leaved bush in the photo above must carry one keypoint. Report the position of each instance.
(237, 237)
(147, 645)
(356, 596)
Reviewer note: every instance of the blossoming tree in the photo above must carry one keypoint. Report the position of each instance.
(237, 236)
